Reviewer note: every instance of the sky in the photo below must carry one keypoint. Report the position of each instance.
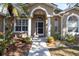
(62, 5)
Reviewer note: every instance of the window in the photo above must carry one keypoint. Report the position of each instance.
(21, 25)
(56, 25)
(73, 24)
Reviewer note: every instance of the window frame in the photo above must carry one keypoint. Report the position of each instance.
(73, 33)
(20, 25)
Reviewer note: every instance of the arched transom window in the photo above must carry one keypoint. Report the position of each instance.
(73, 24)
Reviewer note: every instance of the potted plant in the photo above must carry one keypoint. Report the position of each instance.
(50, 39)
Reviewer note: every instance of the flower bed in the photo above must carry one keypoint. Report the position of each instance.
(17, 47)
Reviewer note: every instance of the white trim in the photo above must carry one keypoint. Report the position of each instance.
(73, 33)
(29, 27)
(37, 28)
(22, 25)
(49, 26)
(39, 7)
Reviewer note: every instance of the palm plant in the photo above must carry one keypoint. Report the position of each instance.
(14, 10)
(24, 8)
(3, 45)
(10, 8)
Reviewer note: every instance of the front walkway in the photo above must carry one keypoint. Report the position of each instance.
(39, 48)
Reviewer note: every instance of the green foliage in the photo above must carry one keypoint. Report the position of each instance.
(61, 47)
(49, 39)
(3, 45)
(57, 10)
(1, 37)
(24, 8)
(9, 35)
(57, 36)
(27, 40)
(70, 38)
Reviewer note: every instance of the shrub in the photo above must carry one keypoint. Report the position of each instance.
(1, 36)
(70, 38)
(3, 45)
(61, 47)
(27, 40)
(12, 41)
(8, 35)
(57, 36)
(50, 39)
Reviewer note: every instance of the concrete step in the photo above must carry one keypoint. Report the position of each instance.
(39, 39)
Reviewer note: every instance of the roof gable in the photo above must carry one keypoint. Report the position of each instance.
(47, 4)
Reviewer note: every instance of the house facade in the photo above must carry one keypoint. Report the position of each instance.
(42, 21)
(69, 21)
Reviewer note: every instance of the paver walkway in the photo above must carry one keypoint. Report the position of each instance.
(39, 48)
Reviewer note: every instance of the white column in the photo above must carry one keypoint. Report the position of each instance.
(61, 27)
(49, 26)
(29, 27)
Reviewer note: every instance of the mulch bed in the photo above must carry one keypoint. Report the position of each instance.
(17, 49)
(62, 51)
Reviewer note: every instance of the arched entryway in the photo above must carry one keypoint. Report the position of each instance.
(39, 23)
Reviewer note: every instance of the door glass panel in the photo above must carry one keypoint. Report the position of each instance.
(40, 24)
(40, 27)
(40, 30)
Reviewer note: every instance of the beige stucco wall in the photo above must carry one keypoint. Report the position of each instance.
(48, 8)
(64, 20)
(52, 24)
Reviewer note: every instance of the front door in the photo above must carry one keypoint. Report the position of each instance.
(40, 28)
